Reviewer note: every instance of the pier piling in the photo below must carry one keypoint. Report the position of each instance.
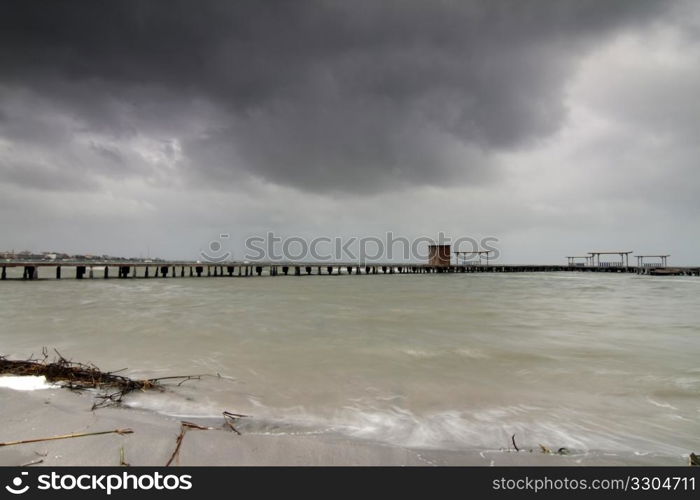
(135, 269)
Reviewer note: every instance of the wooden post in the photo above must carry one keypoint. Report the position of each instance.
(4, 273)
(58, 272)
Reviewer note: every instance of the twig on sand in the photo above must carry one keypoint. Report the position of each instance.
(33, 462)
(122, 458)
(184, 427)
(67, 436)
(548, 451)
(230, 418)
(512, 438)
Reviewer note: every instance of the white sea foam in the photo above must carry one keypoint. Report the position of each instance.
(661, 405)
(25, 383)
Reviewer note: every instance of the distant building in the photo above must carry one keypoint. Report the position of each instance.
(439, 255)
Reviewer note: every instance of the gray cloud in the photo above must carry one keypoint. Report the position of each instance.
(129, 127)
(339, 96)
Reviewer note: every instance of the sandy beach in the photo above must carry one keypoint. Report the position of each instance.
(52, 412)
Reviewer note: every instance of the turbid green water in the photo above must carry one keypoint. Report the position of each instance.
(597, 363)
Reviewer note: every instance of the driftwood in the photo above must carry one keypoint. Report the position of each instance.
(33, 462)
(122, 458)
(66, 436)
(230, 418)
(560, 451)
(184, 427)
(80, 376)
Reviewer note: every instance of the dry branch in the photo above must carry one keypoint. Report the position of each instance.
(230, 418)
(66, 436)
(80, 376)
(184, 427)
(33, 462)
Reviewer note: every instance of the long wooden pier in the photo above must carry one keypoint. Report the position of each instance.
(183, 269)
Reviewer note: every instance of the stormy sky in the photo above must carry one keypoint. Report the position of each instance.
(152, 127)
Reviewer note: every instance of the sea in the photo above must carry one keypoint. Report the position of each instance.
(596, 364)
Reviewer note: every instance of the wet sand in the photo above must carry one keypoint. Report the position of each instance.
(45, 413)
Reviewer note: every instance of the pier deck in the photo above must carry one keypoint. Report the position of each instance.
(182, 269)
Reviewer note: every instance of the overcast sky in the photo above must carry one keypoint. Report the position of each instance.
(559, 127)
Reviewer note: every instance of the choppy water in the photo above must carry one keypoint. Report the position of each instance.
(593, 362)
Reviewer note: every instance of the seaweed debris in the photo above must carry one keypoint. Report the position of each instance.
(80, 376)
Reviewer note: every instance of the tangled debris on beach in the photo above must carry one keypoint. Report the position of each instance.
(81, 376)
(114, 386)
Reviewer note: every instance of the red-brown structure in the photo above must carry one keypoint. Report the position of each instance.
(439, 255)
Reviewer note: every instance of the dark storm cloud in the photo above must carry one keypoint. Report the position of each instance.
(349, 96)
